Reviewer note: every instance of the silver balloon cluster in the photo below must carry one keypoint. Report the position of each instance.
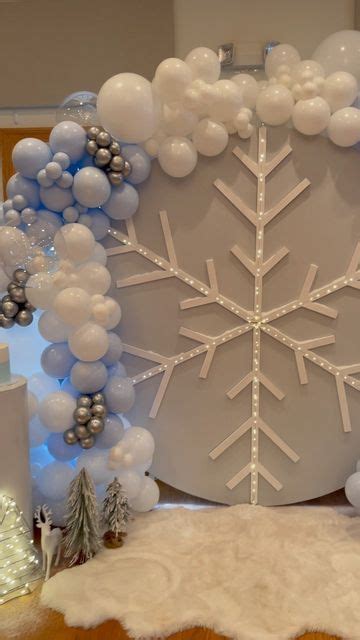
(14, 306)
(106, 153)
(89, 417)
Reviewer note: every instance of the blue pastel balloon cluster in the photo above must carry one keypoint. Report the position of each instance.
(57, 183)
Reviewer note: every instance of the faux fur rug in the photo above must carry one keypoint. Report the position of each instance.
(251, 573)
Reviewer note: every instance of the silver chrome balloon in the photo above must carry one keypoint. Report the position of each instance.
(10, 309)
(81, 431)
(127, 169)
(95, 425)
(117, 163)
(91, 147)
(6, 323)
(98, 398)
(93, 133)
(102, 157)
(103, 139)
(87, 443)
(84, 401)
(17, 294)
(115, 148)
(21, 276)
(82, 415)
(29, 306)
(70, 436)
(98, 410)
(24, 318)
(115, 178)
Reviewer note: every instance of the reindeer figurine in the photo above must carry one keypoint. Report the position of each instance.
(50, 538)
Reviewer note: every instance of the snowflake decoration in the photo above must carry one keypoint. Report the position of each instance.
(254, 320)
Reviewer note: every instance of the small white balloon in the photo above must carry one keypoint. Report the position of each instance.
(306, 70)
(40, 290)
(94, 278)
(89, 342)
(344, 127)
(73, 306)
(339, 90)
(352, 489)
(204, 64)
(227, 101)
(178, 121)
(74, 242)
(274, 104)
(56, 411)
(310, 117)
(95, 462)
(210, 138)
(52, 328)
(131, 482)
(249, 88)
(281, 55)
(139, 442)
(148, 497)
(177, 156)
(99, 255)
(171, 79)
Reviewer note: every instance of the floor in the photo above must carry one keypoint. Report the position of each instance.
(25, 619)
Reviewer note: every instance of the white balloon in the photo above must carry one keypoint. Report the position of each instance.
(307, 70)
(41, 385)
(171, 79)
(52, 328)
(14, 246)
(139, 443)
(340, 52)
(226, 102)
(95, 462)
(204, 63)
(249, 88)
(94, 278)
(74, 242)
(344, 127)
(177, 156)
(56, 411)
(352, 489)
(107, 313)
(148, 497)
(40, 290)
(54, 480)
(210, 138)
(99, 254)
(281, 55)
(274, 104)
(89, 342)
(311, 116)
(38, 434)
(339, 90)
(178, 121)
(131, 482)
(73, 306)
(126, 107)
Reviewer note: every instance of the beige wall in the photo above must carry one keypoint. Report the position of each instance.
(250, 23)
(50, 48)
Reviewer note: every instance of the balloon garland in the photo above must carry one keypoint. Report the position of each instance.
(62, 199)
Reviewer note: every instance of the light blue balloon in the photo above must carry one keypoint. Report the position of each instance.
(68, 387)
(70, 138)
(56, 198)
(100, 223)
(352, 489)
(113, 432)
(117, 369)
(140, 163)
(40, 455)
(60, 450)
(119, 394)
(18, 185)
(57, 360)
(42, 231)
(89, 377)
(114, 351)
(30, 155)
(91, 187)
(123, 202)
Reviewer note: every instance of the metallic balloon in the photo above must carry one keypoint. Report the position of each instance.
(6, 323)
(11, 286)
(82, 415)
(21, 276)
(127, 169)
(70, 436)
(87, 443)
(10, 309)
(17, 294)
(98, 410)
(117, 163)
(84, 401)
(24, 318)
(103, 139)
(115, 178)
(115, 148)
(102, 157)
(96, 425)
(93, 133)
(5, 298)
(98, 398)
(29, 307)
(81, 431)
(91, 147)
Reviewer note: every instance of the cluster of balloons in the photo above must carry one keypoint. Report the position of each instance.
(188, 110)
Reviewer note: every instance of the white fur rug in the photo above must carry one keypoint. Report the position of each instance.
(251, 573)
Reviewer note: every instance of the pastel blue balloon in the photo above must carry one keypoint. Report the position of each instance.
(40, 455)
(119, 394)
(123, 202)
(60, 450)
(140, 163)
(57, 360)
(86, 161)
(89, 377)
(68, 387)
(18, 185)
(100, 223)
(30, 155)
(56, 198)
(42, 231)
(117, 369)
(70, 138)
(114, 351)
(113, 432)
(91, 187)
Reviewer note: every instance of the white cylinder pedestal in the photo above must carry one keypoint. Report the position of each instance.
(15, 477)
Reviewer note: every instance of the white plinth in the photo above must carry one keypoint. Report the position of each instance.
(15, 478)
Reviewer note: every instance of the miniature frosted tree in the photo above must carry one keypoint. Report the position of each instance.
(19, 563)
(115, 513)
(82, 536)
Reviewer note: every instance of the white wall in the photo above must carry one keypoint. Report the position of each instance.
(250, 23)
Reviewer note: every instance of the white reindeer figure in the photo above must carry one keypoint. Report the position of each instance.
(50, 538)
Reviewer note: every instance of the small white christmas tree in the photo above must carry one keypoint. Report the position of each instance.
(19, 563)
(116, 514)
(82, 536)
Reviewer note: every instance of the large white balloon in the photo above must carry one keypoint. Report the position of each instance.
(344, 127)
(52, 328)
(310, 117)
(172, 77)
(74, 242)
(40, 290)
(14, 246)
(126, 107)
(94, 278)
(284, 55)
(148, 497)
(339, 90)
(54, 479)
(89, 342)
(274, 104)
(204, 64)
(56, 411)
(227, 101)
(249, 88)
(177, 156)
(139, 443)
(73, 306)
(340, 52)
(210, 138)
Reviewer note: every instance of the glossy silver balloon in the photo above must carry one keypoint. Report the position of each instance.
(115, 148)
(30, 307)
(5, 299)
(11, 286)
(82, 415)
(93, 133)
(24, 318)
(95, 425)
(81, 431)
(70, 436)
(116, 178)
(6, 323)
(10, 309)
(84, 401)
(102, 157)
(103, 139)
(21, 276)
(98, 398)
(17, 294)
(117, 163)
(98, 410)
(91, 147)
(126, 169)
(87, 443)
